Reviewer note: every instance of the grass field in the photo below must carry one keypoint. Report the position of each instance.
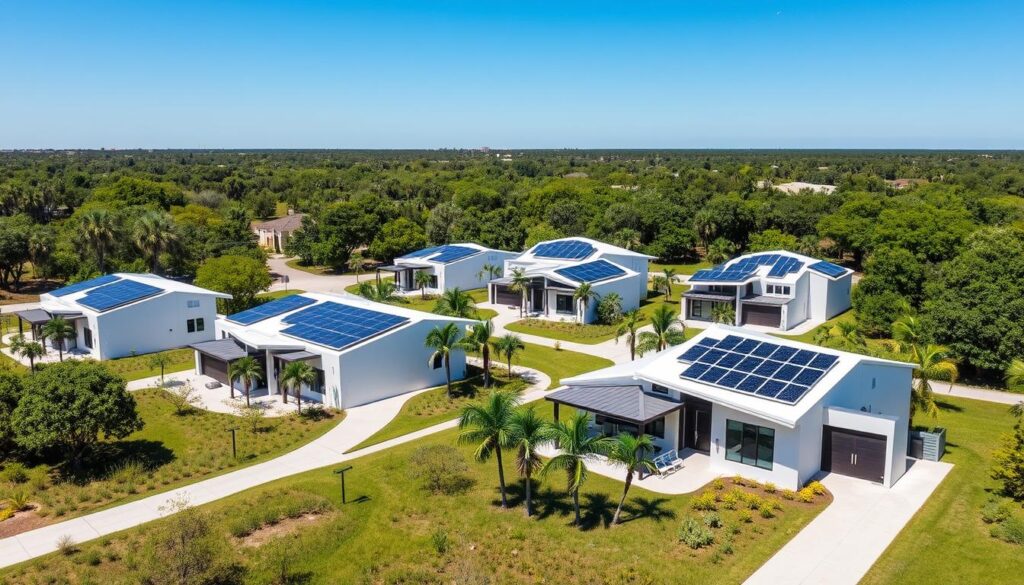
(280, 293)
(318, 270)
(680, 268)
(137, 367)
(419, 303)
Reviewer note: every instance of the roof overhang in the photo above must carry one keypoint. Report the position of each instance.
(708, 296)
(765, 300)
(628, 403)
(34, 316)
(223, 349)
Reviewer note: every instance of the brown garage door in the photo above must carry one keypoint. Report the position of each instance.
(504, 296)
(853, 453)
(761, 315)
(214, 368)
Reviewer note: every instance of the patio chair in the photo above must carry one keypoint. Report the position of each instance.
(668, 462)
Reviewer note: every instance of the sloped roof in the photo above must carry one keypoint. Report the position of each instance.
(288, 223)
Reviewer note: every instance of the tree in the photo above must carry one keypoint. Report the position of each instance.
(631, 321)
(582, 296)
(478, 341)
(1008, 459)
(382, 292)
(723, 313)
(633, 453)
(241, 277)
(771, 240)
(397, 237)
(660, 284)
(1015, 376)
(153, 235)
(67, 407)
(666, 330)
(674, 243)
(721, 250)
(355, 264)
(184, 550)
(933, 363)
(422, 281)
(508, 346)
(527, 432)
(160, 360)
(15, 233)
(670, 277)
(59, 330)
(294, 376)
(488, 425)
(442, 220)
(576, 445)
(455, 302)
(520, 283)
(489, 272)
(843, 335)
(100, 230)
(705, 226)
(444, 340)
(30, 350)
(249, 371)
(11, 389)
(609, 309)
(184, 397)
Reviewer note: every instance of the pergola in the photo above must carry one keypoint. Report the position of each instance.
(627, 403)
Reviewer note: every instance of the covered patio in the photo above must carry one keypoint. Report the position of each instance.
(624, 408)
(214, 360)
(405, 275)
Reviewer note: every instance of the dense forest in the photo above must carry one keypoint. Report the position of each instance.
(946, 247)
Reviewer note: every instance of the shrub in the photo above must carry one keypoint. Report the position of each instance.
(995, 511)
(14, 472)
(805, 495)
(727, 546)
(92, 558)
(770, 487)
(733, 528)
(745, 516)
(731, 501)
(704, 502)
(66, 545)
(6, 513)
(1011, 530)
(754, 501)
(439, 538)
(609, 309)
(441, 468)
(315, 412)
(129, 474)
(712, 520)
(718, 484)
(694, 534)
(817, 488)
(766, 510)
(738, 480)
(17, 502)
(788, 494)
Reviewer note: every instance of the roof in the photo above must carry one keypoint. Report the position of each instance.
(114, 291)
(665, 368)
(600, 249)
(625, 402)
(780, 266)
(34, 316)
(288, 223)
(765, 300)
(445, 254)
(797, 186)
(222, 349)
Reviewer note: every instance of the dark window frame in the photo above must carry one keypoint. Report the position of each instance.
(749, 444)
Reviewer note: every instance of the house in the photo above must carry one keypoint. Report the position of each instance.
(122, 314)
(904, 183)
(778, 290)
(556, 268)
(362, 351)
(450, 266)
(273, 235)
(758, 406)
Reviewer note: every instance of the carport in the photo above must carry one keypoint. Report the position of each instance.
(214, 358)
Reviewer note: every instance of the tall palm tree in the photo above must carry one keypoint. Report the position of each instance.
(154, 234)
(444, 340)
(527, 432)
(520, 283)
(933, 364)
(666, 330)
(670, 277)
(455, 302)
(720, 250)
(249, 371)
(659, 284)
(294, 376)
(706, 225)
(490, 271)
(908, 333)
(631, 321)
(508, 346)
(59, 330)
(633, 453)
(355, 264)
(488, 425)
(582, 296)
(30, 350)
(478, 341)
(576, 445)
(100, 231)
(1015, 376)
(422, 281)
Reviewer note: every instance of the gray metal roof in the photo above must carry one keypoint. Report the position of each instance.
(296, 356)
(763, 300)
(392, 268)
(629, 403)
(222, 349)
(34, 316)
(708, 296)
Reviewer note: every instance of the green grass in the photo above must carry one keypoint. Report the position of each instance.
(390, 534)
(947, 537)
(137, 367)
(280, 293)
(557, 364)
(419, 303)
(317, 270)
(680, 268)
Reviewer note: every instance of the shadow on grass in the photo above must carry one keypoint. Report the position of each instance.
(105, 458)
(596, 509)
(947, 406)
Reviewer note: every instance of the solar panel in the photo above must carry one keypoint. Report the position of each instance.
(337, 325)
(565, 249)
(723, 275)
(85, 284)
(751, 366)
(423, 253)
(595, 271)
(452, 253)
(828, 268)
(116, 294)
(783, 266)
(272, 309)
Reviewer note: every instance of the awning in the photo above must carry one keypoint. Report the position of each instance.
(708, 296)
(296, 356)
(222, 349)
(628, 403)
(392, 268)
(34, 316)
(763, 300)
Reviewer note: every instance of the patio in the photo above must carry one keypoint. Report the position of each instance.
(218, 399)
(692, 476)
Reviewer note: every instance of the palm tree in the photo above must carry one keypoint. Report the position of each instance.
(355, 264)
(527, 432)
(444, 340)
(100, 231)
(491, 271)
(809, 245)
(667, 330)
(382, 292)
(30, 350)
(933, 363)
(520, 283)
(154, 234)
(508, 346)
(478, 341)
(633, 453)
(576, 445)
(455, 302)
(294, 376)
(59, 330)
(249, 371)
(844, 335)
(908, 333)
(422, 281)
(723, 313)
(659, 283)
(706, 226)
(720, 250)
(630, 323)
(670, 277)
(488, 425)
(582, 296)
(1017, 410)
(1015, 376)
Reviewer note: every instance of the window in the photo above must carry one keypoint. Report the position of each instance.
(718, 288)
(658, 388)
(777, 289)
(437, 362)
(200, 324)
(195, 325)
(87, 335)
(749, 444)
(563, 304)
(192, 304)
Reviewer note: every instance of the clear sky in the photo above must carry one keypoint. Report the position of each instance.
(513, 73)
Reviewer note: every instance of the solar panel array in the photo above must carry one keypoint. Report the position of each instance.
(118, 293)
(422, 253)
(722, 275)
(565, 249)
(744, 268)
(338, 326)
(592, 271)
(452, 253)
(828, 268)
(760, 368)
(85, 284)
(271, 309)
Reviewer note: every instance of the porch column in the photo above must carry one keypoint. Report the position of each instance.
(378, 277)
(643, 431)
(21, 329)
(272, 386)
(736, 308)
(556, 421)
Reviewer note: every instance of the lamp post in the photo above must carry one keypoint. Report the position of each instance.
(341, 472)
(234, 450)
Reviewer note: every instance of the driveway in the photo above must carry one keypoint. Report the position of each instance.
(302, 280)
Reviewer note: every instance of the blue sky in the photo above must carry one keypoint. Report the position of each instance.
(684, 74)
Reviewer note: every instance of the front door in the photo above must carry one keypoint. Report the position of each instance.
(697, 428)
(538, 300)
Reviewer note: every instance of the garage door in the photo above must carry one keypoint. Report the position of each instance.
(761, 315)
(503, 296)
(215, 368)
(853, 453)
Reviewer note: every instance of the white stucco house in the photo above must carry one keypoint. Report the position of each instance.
(776, 290)
(122, 314)
(362, 351)
(450, 266)
(556, 268)
(758, 406)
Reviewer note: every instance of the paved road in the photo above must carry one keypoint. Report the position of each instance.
(300, 279)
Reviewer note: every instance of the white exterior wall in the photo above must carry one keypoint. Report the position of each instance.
(151, 325)
(637, 264)
(786, 467)
(838, 297)
(626, 288)
(465, 273)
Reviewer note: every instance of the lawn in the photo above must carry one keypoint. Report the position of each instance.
(947, 539)
(279, 293)
(680, 268)
(137, 367)
(419, 303)
(318, 270)
(170, 451)
(397, 531)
